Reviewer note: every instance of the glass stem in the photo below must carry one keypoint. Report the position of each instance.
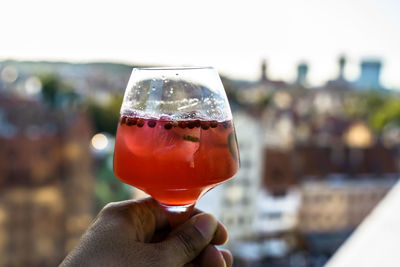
(177, 214)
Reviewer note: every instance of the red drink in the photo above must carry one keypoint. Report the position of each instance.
(175, 161)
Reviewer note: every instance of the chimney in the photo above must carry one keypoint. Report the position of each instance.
(302, 70)
(370, 72)
(264, 70)
(342, 63)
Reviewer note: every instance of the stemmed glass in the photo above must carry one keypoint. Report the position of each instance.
(175, 138)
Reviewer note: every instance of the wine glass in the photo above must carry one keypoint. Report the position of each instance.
(175, 138)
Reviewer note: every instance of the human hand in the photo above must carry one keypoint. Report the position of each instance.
(137, 233)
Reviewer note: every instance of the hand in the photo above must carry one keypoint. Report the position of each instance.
(137, 233)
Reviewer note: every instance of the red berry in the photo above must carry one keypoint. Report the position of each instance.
(182, 124)
(131, 121)
(205, 125)
(123, 120)
(140, 122)
(197, 123)
(151, 123)
(190, 124)
(168, 125)
(213, 124)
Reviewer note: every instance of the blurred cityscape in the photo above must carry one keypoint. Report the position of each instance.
(314, 160)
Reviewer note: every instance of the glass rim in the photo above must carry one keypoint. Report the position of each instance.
(175, 68)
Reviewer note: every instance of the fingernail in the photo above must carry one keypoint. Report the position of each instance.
(206, 224)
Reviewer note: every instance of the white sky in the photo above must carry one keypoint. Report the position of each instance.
(231, 35)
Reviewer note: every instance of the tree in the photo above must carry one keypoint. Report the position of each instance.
(105, 116)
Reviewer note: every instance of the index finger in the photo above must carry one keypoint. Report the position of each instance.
(144, 213)
(146, 207)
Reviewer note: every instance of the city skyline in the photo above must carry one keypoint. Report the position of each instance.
(313, 162)
(233, 37)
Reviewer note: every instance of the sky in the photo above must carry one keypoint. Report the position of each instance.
(233, 36)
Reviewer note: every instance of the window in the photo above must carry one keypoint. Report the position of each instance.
(227, 202)
(11, 153)
(274, 215)
(245, 163)
(245, 201)
(228, 221)
(45, 152)
(246, 181)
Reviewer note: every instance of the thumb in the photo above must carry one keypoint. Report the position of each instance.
(189, 239)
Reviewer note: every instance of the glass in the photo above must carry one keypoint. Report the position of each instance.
(175, 138)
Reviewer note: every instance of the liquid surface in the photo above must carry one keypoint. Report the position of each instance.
(175, 161)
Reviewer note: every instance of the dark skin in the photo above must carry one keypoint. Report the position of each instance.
(137, 233)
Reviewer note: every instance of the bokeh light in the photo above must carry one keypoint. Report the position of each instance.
(99, 141)
(9, 74)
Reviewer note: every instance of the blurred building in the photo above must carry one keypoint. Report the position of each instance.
(279, 173)
(302, 70)
(332, 209)
(339, 205)
(258, 93)
(277, 213)
(340, 83)
(309, 136)
(285, 169)
(46, 182)
(239, 194)
(370, 75)
(96, 80)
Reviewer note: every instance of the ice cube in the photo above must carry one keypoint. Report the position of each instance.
(178, 144)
